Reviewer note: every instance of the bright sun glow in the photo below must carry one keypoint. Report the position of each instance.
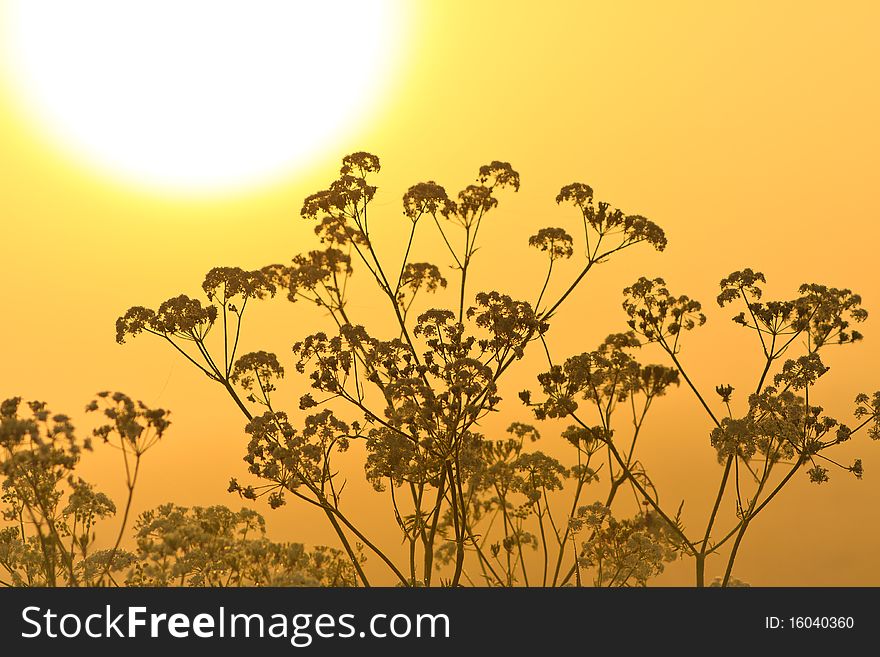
(199, 96)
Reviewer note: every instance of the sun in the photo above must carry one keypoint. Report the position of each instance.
(199, 96)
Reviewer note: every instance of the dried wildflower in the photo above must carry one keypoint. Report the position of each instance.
(180, 316)
(418, 276)
(137, 426)
(339, 208)
(537, 473)
(606, 221)
(473, 202)
(418, 396)
(215, 546)
(724, 392)
(55, 511)
(801, 373)
(818, 474)
(857, 469)
(291, 459)
(656, 314)
(739, 283)
(511, 324)
(427, 197)
(555, 241)
(779, 425)
(637, 228)
(392, 456)
(86, 505)
(185, 317)
(317, 269)
(579, 194)
(868, 410)
(827, 313)
(225, 283)
(606, 376)
(500, 174)
(630, 550)
(260, 367)
(824, 313)
(134, 321)
(524, 431)
(653, 380)
(588, 439)
(360, 163)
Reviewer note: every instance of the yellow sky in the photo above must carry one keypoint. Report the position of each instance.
(747, 130)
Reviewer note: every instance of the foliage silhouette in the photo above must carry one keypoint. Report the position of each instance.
(469, 508)
(53, 514)
(51, 543)
(417, 398)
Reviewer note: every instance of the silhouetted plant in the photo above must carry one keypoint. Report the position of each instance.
(780, 427)
(52, 515)
(52, 512)
(469, 506)
(215, 546)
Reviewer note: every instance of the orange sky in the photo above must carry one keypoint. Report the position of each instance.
(747, 130)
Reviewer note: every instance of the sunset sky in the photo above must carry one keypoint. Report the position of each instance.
(747, 130)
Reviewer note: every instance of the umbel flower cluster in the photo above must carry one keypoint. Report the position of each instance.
(52, 515)
(471, 506)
